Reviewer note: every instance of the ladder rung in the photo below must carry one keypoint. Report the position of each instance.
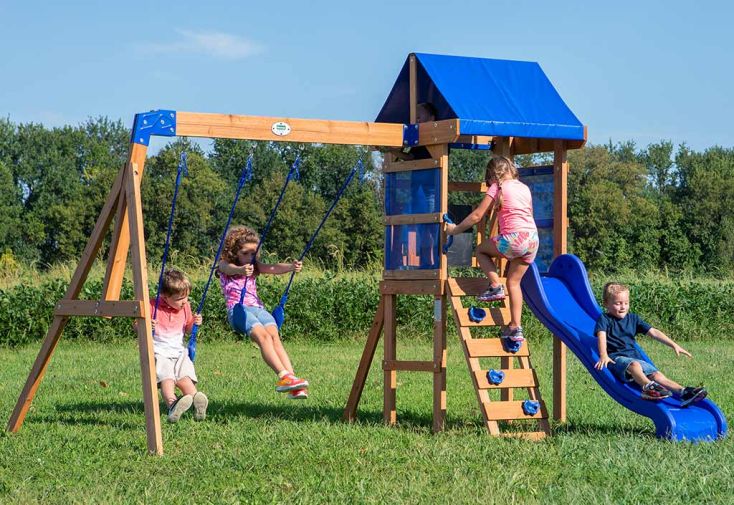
(505, 411)
(514, 378)
(468, 286)
(492, 347)
(496, 316)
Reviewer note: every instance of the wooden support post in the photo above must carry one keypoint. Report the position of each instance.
(440, 152)
(439, 360)
(350, 411)
(560, 227)
(59, 322)
(140, 283)
(390, 376)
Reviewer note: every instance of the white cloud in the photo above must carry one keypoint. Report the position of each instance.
(215, 44)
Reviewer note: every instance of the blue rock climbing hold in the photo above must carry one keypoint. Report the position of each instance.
(495, 376)
(510, 345)
(476, 314)
(530, 407)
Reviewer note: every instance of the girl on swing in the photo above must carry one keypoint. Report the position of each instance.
(517, 241)
(237, 271)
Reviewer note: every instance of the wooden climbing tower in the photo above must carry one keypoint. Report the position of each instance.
(531, 118)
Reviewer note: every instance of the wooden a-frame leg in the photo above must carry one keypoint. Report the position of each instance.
(119, 248)
(350, 411)
(120, 244)
(145, 336)
(57, 326)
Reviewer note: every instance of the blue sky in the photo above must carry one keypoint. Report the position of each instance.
(642, 71)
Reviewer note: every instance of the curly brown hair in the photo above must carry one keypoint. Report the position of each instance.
(236, 238)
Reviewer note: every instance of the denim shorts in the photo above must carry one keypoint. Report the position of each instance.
(256, 316)
(621, 363)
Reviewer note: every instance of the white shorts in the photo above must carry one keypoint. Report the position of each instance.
(174, 368)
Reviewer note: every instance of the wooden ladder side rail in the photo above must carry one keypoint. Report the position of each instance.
(59, 322)
(473, 365)
(365, 362)
(534, 393)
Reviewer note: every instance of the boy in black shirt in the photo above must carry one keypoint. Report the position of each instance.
(616, 332)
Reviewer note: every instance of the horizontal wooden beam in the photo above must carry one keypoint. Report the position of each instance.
(411, 274)
(410, 366)
(438, 132)
(468, 187)
(433, 217)
(475, 139)
(413, 287)
(99, 308)
(230, 126)
(406, 166)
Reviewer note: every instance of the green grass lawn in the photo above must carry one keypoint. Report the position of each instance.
(84, 438)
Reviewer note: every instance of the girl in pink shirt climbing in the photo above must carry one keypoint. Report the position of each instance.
(517, 240)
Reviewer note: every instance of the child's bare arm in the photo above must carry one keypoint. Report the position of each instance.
(279, 268)
(228, 268)
(658, 335)
(604, 358)
(472, 219)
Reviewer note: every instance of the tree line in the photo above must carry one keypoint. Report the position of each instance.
(658, 207)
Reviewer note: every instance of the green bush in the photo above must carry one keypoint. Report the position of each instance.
(329, 307)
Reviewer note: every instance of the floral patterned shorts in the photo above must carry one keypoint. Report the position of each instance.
(522, 245)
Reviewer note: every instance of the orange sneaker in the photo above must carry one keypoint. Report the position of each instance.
(289, 382)
(298, 394)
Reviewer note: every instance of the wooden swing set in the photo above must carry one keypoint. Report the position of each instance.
(122, 215)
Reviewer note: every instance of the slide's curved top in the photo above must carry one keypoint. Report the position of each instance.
(563, 301)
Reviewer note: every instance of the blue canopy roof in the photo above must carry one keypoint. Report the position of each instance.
(490, 97)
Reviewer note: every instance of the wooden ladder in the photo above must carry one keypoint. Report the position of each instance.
(506, 408)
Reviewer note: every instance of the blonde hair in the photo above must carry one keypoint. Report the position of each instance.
(612, 289)
(175, 283)
(498, 167)
(236, 238)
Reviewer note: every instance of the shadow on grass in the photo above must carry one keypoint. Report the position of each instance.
(587, 428)
(111, 414)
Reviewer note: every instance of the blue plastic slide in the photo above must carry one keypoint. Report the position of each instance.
(563, 301)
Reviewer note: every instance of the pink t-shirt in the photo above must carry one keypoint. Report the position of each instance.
(516, 212)
(170, 327)
(232, 289)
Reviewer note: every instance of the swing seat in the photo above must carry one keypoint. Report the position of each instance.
(239, 318)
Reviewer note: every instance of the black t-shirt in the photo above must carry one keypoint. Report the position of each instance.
(621, 333)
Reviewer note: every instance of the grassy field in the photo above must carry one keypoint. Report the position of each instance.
(84, 441)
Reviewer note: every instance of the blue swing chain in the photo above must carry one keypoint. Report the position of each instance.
(358, 167)
(293, 173)
(245, 176)
(183, 170)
